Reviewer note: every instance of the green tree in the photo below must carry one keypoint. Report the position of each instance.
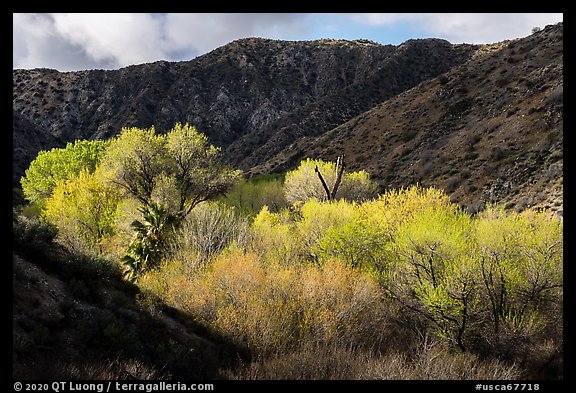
(520, 262)
(169, 175)
(435, 273)
(195, 167)
(82, 208)
(179, 169)
(59, 164)
(356, 243)
(316, 219)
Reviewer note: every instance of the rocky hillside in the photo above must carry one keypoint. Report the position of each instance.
(253, 97)
(484, 122)
(488, 130)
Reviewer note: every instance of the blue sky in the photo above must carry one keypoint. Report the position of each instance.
(76, 41)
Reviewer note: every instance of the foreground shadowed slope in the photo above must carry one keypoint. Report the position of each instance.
(75, 318)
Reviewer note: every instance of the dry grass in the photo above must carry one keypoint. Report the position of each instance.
(346, 363)
(105, 369)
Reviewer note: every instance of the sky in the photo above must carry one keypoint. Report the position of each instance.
(79, 41)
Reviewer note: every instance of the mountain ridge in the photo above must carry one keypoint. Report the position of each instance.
(267, 103)
(489, 130)
(241, 86)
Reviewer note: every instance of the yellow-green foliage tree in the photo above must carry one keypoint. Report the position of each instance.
(520, 263)
(134, 162)
(303, 183)
(178, 169)
(273, 235)
(83, 209)
(434, 272)
(316, 219)
(59, 164)
(169, 175)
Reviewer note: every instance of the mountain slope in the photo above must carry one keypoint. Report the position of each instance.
(253, 97)
(488, 130)
(27, 140)
(484, 122)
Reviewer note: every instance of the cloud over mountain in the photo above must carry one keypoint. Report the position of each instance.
(75, 41)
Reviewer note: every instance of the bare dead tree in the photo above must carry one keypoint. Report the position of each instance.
(339, 171)
(331, 195)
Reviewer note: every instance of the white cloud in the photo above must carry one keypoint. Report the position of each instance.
(40, 41)
(475, 28)
(81, 41)
(67, 41)
(121, 38)
(205, 32)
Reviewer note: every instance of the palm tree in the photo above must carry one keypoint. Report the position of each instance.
(150, 238)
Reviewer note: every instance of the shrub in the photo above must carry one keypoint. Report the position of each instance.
(502, 82)
(273, 237)
(496, 154)
(348, 363)
(100, 369)
(443, 79)
(274, 308)
(398, 206)
(357, 186)
(32, 233)
(453, 183)
(357, 244)
(250, 196)
(207, 231)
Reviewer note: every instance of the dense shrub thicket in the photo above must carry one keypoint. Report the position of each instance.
(384, 275)
(249, 196)
(401, 277)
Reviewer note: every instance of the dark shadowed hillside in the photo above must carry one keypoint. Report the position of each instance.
(74, 317)
(28, 139)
